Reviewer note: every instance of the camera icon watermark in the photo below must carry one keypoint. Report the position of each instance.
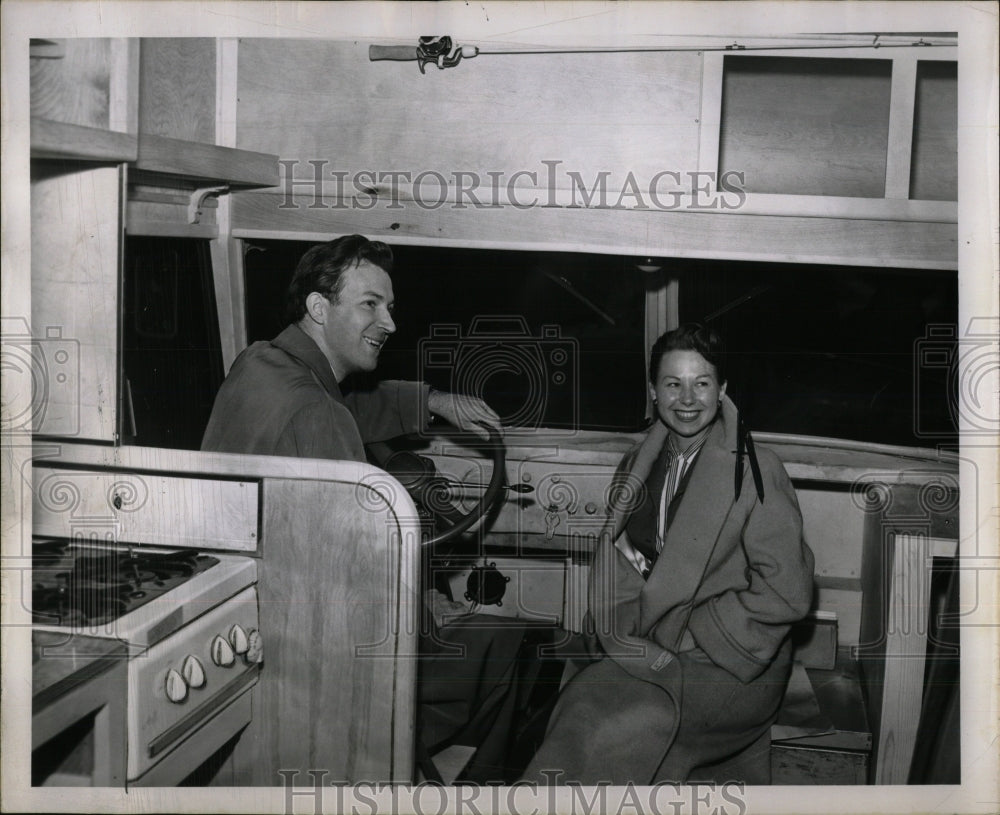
(530, 381)
(966, 365)
(41, 380)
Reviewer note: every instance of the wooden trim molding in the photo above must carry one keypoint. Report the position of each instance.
(902, 100)
(644, 233)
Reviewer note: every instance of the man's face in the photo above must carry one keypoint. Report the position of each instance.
(360, 320)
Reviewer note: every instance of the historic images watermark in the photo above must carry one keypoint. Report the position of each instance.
(319, 794)
(550, 185)
(543, 367)
(963, 361)
(41, 376)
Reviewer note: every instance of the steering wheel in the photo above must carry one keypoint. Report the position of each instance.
(429, 489)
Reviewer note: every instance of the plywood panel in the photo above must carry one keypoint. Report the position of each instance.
(76, 87)
(75, 239)
(147, 508)
(834, 529)
(647, 233)
(333, 694)
(177, 88)
(934, 168)
(806, 126)
(314, 100)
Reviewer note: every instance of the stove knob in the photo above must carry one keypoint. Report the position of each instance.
(255, 648)
(238, 639)
(222, 652)
(176, 687)
(193, 671)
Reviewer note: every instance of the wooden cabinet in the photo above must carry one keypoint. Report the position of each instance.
(111, 155)
(78, 711)
(76, 218)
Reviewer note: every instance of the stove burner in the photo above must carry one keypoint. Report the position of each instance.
(75, 586)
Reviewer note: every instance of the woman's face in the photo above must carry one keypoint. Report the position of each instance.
(686, 392)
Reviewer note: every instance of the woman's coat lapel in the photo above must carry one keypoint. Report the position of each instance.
(695, 526)
(665, 597)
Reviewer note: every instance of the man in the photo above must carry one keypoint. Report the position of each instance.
(283, 397)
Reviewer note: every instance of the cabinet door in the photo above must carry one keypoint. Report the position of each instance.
(76, 236)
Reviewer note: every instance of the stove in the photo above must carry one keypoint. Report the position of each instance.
(74, 586)
(189, 623)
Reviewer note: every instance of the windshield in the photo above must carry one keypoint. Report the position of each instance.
(548, 339)
(557, 340)
(832, 351)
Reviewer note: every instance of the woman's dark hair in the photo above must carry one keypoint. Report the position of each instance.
(690, 337)
(321, 269)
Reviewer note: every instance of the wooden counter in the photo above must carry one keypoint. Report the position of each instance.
(79, 687)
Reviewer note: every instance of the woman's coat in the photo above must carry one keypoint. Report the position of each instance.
(694, 658)
(734, 571)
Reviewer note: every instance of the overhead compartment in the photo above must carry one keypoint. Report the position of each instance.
(633, 152)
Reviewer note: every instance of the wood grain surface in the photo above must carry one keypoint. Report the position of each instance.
(75, 238)
(177, 88)
(75, 89)
(330, 696)
(647, 233)
(309, 99)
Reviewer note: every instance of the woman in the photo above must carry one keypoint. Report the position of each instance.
(695, 584)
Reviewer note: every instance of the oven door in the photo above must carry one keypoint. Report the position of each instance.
(190, 693)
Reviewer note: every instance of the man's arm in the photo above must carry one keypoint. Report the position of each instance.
(389, 409)
(394, 408)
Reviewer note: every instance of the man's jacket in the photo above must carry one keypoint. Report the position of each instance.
(282, 399)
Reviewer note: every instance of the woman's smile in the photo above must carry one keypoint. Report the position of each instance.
(687, 392)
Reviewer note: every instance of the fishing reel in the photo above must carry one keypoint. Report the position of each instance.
(440, 51)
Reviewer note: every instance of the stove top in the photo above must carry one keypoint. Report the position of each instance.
(73, 585)
(139, 594)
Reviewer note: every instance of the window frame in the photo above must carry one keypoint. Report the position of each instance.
(896, 204)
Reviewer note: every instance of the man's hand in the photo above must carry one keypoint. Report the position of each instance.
(467, 413)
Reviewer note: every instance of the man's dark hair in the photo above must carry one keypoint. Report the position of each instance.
(321, 269)
(689, 337)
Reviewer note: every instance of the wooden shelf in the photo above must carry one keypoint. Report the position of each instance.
(150, 157)
(58, 140)
(206, 162)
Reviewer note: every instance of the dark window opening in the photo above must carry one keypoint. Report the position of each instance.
(840, 352)
(172, 356)
(855, 353)
(548, 339)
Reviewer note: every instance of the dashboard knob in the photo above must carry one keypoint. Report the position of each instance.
(176, 687)
(238, 639)
(193, 671)
(222, 652)
(255, 648)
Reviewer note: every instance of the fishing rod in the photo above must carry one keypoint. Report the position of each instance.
(444, 53)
